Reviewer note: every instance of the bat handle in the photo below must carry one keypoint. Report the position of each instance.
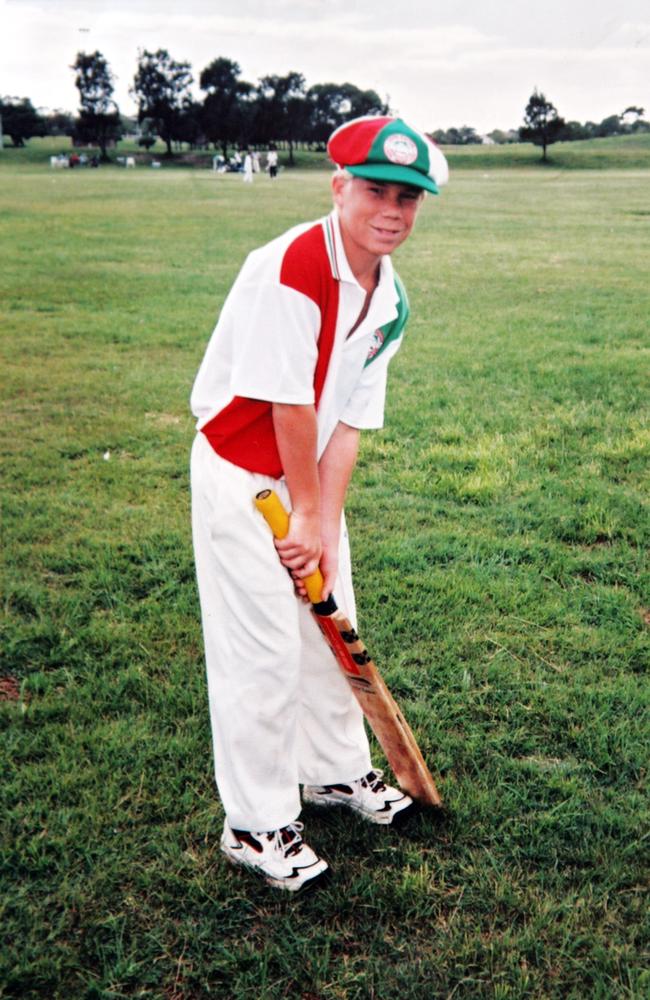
(270, 506)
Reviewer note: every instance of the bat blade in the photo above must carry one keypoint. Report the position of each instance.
(378, 705)
(380, 708)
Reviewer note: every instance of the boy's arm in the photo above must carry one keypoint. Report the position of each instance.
(317, 491)
(296, 435)
(335, 470)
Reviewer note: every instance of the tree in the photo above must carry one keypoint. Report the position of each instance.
(20, 119)
(609, 126)
(463, 136)
(363, 102)
(281, 110)
(332, 104)
(574, 131)
(542, 124)
(632, 118)
(99, 119)
(501, 137)
(161, 88)
(189, 127)
(148, 136)
(58, 122)
(225, 112)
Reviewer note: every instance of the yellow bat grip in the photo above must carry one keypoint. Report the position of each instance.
(270, 506)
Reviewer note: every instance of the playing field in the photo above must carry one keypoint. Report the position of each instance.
(501, 529)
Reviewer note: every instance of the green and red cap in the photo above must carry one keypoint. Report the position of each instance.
(387, 149)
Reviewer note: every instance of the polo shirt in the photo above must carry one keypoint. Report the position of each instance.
(283, 336)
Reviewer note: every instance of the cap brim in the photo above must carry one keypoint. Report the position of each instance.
(393, 173)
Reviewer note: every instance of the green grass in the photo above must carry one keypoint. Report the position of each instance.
(500, 525)
(613, 153)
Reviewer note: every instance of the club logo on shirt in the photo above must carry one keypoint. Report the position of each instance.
(398, 148)
(376, 344)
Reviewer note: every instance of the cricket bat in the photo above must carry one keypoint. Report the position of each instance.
(379, 707)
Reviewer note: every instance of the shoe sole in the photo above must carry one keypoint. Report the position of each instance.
(317, 882)
(287, 886)
(392, 819)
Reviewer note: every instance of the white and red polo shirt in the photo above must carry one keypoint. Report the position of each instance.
(283, 336)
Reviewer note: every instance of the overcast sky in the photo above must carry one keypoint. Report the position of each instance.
(441, 63)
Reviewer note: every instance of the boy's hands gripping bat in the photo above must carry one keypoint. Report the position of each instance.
(379, 707)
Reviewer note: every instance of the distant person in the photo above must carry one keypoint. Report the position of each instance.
(295, 369)
(256, 161)
(248, 167)
(272, 162)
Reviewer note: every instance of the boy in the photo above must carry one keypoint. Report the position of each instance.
(295, 369)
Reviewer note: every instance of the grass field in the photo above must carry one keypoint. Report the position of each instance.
(501, 529)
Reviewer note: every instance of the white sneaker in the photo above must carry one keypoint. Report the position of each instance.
(369, 796)
(281, 856)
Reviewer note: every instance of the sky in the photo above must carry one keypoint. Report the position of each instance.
(439, 63)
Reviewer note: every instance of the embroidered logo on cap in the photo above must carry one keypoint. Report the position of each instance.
(398, 148)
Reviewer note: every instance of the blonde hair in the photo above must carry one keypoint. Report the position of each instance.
(345, 174)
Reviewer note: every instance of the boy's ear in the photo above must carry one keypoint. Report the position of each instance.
(338, 183)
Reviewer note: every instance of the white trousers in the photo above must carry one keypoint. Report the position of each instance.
(281, 711)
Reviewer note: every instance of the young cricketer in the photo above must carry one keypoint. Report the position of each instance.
(295, 369)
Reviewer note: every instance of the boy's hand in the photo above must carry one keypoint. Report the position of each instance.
(300, 551)
(329, 566)
(303, 551)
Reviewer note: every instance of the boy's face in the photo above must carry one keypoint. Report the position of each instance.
(375, 216)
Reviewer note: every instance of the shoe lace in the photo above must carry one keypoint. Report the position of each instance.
(288, 839)
(373, 781)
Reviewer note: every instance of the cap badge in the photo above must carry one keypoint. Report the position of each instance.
(398, 148)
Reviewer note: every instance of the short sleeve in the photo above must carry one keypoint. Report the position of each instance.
(274, 343)
(365, 407)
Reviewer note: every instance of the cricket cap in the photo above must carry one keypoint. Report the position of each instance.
(387, 149)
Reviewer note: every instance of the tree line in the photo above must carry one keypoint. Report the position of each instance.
(542, 120)
(233, 112)
(543, 125)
